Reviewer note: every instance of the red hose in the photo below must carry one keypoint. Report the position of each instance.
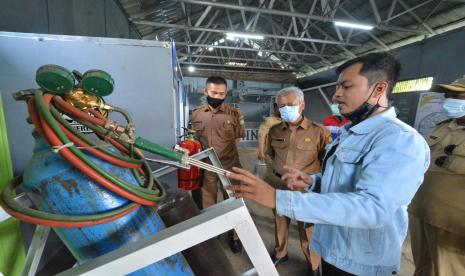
(95, 152)
(53, 223)
(115, 143)
(74, 111)
(84, 168)
(31, 107)
(98, 115)
(50, 136)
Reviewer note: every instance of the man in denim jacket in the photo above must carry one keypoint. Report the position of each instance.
(369, 175)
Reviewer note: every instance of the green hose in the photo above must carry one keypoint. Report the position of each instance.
(103, 131)
(139, 191)
(8, 198)
(157, 149)
(88, 141)
(124, 113)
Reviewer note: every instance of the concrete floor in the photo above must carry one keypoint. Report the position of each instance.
(264, 222)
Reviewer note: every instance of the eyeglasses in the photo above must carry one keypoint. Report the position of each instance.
(442, 159)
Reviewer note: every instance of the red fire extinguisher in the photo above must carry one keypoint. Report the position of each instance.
(190, 179)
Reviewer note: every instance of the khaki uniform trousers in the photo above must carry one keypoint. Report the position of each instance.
(436, 251)
(282, 230)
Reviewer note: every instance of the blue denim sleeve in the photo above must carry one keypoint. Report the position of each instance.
(390, 175)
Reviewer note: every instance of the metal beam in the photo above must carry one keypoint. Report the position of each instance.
(255, 9)
(375, 11)
(254, 17)
(287, 34)
(453, 26)
(280, 13)
(242, 59)
(202, 17)
(244, 20)
(202, 29)
(433, 10)
(330, 37)
(418, 19)
(238, 71)
(197, 40)
(375, 38)
(278, 26)
(340, 46)
(391, 9)
(256, 50)
(405, 11)
(270, 6)
(307, 21)
(294, 23)
(237, 67)
(189, 23)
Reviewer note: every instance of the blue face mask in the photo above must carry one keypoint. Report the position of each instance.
(454, 108)
(335, 110)
(290, 114)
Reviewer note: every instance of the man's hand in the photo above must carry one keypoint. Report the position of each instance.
(252, 188)
(296, 180)
(261, 156)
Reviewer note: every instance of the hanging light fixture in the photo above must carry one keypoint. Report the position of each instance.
(353, 25)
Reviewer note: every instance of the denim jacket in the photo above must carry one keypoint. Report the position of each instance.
(360, 215)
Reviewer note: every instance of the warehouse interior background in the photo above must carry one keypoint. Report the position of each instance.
(259, 46)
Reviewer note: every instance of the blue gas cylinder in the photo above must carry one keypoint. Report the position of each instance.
(56, 186)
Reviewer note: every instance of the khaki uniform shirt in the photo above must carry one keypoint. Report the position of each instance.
(440, 200)
(302, 149)
(219, 129)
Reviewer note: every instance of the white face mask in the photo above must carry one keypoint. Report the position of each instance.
(290, 114)
(454, 108)
(335, 109)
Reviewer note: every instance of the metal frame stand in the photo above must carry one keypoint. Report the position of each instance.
(209, 153)
(213, 221)
(220, 218)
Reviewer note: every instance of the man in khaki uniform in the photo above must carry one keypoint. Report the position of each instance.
(299, 143)
(218, 126)
(437, 212)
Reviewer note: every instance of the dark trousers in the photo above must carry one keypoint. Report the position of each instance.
(330, 270)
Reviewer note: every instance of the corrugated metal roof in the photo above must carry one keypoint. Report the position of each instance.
(196, 25)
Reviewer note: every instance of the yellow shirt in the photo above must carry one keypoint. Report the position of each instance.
(267, 124)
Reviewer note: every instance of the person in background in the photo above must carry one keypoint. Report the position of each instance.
(221, 127)
(437, 212)
(263, 164)
(368, 177)
(335, 121)
(263, 130)
(300, 143)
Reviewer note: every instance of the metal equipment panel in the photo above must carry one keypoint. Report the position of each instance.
(142, 71)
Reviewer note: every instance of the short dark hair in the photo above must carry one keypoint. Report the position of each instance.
(217, 80)
(376, 67)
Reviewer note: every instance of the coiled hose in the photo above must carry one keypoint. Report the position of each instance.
(44, 111)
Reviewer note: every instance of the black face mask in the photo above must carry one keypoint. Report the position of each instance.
(362, 112)
(214, 102)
